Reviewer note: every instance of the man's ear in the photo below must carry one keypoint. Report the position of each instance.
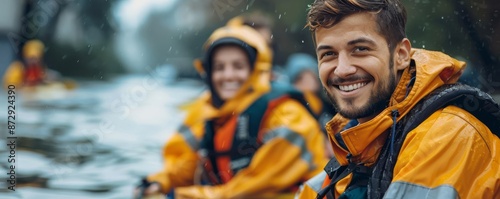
(402, 54)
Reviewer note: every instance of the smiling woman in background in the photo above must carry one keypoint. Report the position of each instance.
(243, 138)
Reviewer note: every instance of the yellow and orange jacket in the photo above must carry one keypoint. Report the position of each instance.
(292, 150)
(14, 75)
(451, 154)
(21, 73)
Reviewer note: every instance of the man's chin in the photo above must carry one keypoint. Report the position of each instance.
(357, 113)
(350, 114)
(368, 111)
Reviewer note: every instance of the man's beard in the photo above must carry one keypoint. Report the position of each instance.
(376, 103)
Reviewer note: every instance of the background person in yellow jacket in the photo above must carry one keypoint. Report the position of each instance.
(31, 73)
(241, 139)
(302, 72)
(404, 128)
(31, 70)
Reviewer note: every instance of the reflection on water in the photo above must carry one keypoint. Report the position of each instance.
(95, 141)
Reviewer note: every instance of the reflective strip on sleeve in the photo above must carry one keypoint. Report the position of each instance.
(317, 181)
(294, 138)
(412, 191)
(189, 137)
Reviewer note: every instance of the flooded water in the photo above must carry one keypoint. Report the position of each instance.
(96, 141)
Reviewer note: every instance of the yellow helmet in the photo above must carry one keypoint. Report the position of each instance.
(33, 49)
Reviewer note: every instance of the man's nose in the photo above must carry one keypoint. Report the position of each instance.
(344, 66)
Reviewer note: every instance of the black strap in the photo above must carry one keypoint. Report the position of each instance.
(336, 173)
(473, 100)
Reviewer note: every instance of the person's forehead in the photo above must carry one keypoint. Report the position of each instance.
(228, 51)
(354, 26)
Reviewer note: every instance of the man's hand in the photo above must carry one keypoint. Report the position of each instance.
(147, 189)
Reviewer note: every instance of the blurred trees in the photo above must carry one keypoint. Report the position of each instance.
(468, 30)
(91, 53)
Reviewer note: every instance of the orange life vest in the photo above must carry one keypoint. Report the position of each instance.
(229, 143)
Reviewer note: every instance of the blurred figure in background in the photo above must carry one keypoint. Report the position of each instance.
(302, 72)
(243, 138)
(264, 25)
(258, 21)
(31, 70)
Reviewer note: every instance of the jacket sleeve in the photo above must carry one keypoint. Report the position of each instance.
(450, 155)
(312, 187)
(180, 159)
(293, 151)
(14, 74)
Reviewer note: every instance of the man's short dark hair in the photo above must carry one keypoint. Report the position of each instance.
(390, 16)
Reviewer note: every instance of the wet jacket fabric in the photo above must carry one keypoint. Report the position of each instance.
(451, 154)
(292, 149)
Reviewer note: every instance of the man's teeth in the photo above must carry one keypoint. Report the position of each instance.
(351, 87)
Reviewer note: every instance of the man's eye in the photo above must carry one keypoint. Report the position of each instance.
(361, 49)
(329, 53)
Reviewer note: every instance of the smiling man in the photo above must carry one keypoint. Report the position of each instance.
(364, 75)
(404, 128)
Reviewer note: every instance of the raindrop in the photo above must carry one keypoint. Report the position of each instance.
(286, 29)
(77, 61)
(247, 7)
(272, 36)
(279, 17)
(442, 17)
(423, 46)
(90, 49)
(302, 41)
(64, 56)
(169, 49)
